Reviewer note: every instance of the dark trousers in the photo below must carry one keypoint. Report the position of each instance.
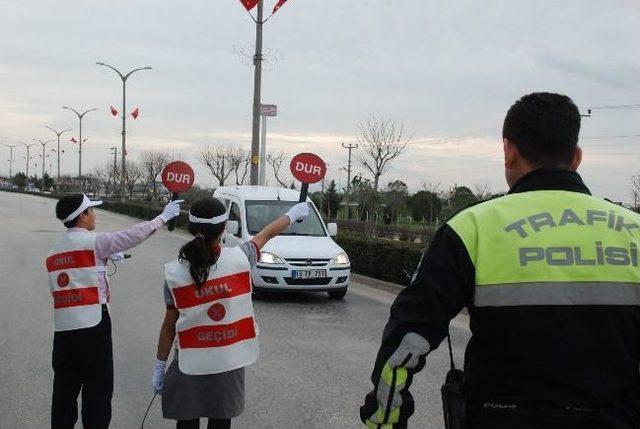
(83, 362)
(212, 424)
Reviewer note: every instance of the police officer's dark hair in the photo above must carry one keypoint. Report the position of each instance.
(544, 127)
(199, 251)
(67, 205)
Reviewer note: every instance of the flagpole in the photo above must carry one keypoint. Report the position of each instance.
(257, 83)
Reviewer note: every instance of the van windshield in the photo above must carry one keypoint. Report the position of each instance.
(262, 213)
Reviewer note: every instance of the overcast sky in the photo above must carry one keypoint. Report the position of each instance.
(447, 70)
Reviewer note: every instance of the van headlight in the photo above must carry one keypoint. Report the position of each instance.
(269, 258)
(341, 259)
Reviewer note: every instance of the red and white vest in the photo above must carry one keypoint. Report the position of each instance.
(216, 331)
(73, 279)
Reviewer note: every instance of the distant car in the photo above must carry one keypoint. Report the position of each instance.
(303, 258)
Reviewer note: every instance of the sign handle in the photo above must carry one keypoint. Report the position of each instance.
(172, 222)
(303, 196)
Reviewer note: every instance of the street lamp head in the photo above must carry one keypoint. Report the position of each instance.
(100, 64)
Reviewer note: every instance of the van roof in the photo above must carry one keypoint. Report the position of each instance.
(259, 193)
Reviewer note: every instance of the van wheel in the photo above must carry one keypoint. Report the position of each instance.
(337, 294)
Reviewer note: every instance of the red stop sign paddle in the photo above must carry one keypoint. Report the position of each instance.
(307, 168)
(177, 177)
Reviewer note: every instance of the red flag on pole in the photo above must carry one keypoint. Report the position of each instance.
(249, 4)
(278, 5)
(114, 112)
(135, 113)
(73, 140)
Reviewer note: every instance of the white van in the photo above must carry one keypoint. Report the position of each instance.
(303, 258)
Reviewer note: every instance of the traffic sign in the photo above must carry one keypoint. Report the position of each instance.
(308, 168)
(268, 110)
(178, 176)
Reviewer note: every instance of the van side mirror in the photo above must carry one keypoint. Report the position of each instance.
(333, 229)
(232, 227)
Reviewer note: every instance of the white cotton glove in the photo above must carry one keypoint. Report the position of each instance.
(158, 375)
(171, 210)
(117, 257)
(298, 212)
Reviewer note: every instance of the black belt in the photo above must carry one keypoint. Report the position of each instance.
(531, 409)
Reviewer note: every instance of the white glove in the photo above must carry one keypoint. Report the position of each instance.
(158, 375)
(171, 210)
(298, 212)
(117, 257)
(407, 356)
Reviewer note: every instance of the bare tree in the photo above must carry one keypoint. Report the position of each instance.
(218, 160)
(153, 162)
(275, 160)
(482, 191)
(240, 161)
(133, 175)
(107, 177)
(380, 141)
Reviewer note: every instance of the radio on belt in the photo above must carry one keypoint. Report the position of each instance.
(177, 177)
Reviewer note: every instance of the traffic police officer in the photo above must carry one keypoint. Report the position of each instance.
(82, 347)
(550, 277)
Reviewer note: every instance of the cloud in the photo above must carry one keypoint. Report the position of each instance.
(620, 75)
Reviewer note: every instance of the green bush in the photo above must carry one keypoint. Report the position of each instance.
(392, 261)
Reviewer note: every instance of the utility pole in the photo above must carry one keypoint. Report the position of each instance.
(10, 146)
(257, 82)
(350, 147)
(123, 152)
(114, 149)
(58, 134)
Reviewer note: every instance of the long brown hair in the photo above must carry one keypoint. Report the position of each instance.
(200, 251)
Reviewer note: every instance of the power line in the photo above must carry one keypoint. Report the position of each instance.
(616, 106)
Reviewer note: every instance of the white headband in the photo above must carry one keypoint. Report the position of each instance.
(214, 221)
(86, 203)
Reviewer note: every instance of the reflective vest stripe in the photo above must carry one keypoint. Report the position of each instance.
(75, 297)
(212, 290)
(557, 293)
(217, 335)
(73, 281)
(70, 260)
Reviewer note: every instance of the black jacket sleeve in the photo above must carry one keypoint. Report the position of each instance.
(442, 285)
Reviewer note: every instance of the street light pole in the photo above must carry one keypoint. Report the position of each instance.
(28, 146)
(257, 82)
(80, 116)
(44, 144)
(10, 146)
(123, 151)
(58, 134)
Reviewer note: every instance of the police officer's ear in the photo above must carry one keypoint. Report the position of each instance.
(511, 154)
(577, 158)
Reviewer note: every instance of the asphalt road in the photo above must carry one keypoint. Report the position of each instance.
(316, 357)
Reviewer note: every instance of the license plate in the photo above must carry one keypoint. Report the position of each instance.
(309, 274)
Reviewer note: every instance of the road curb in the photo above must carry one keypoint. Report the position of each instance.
(377, 284)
